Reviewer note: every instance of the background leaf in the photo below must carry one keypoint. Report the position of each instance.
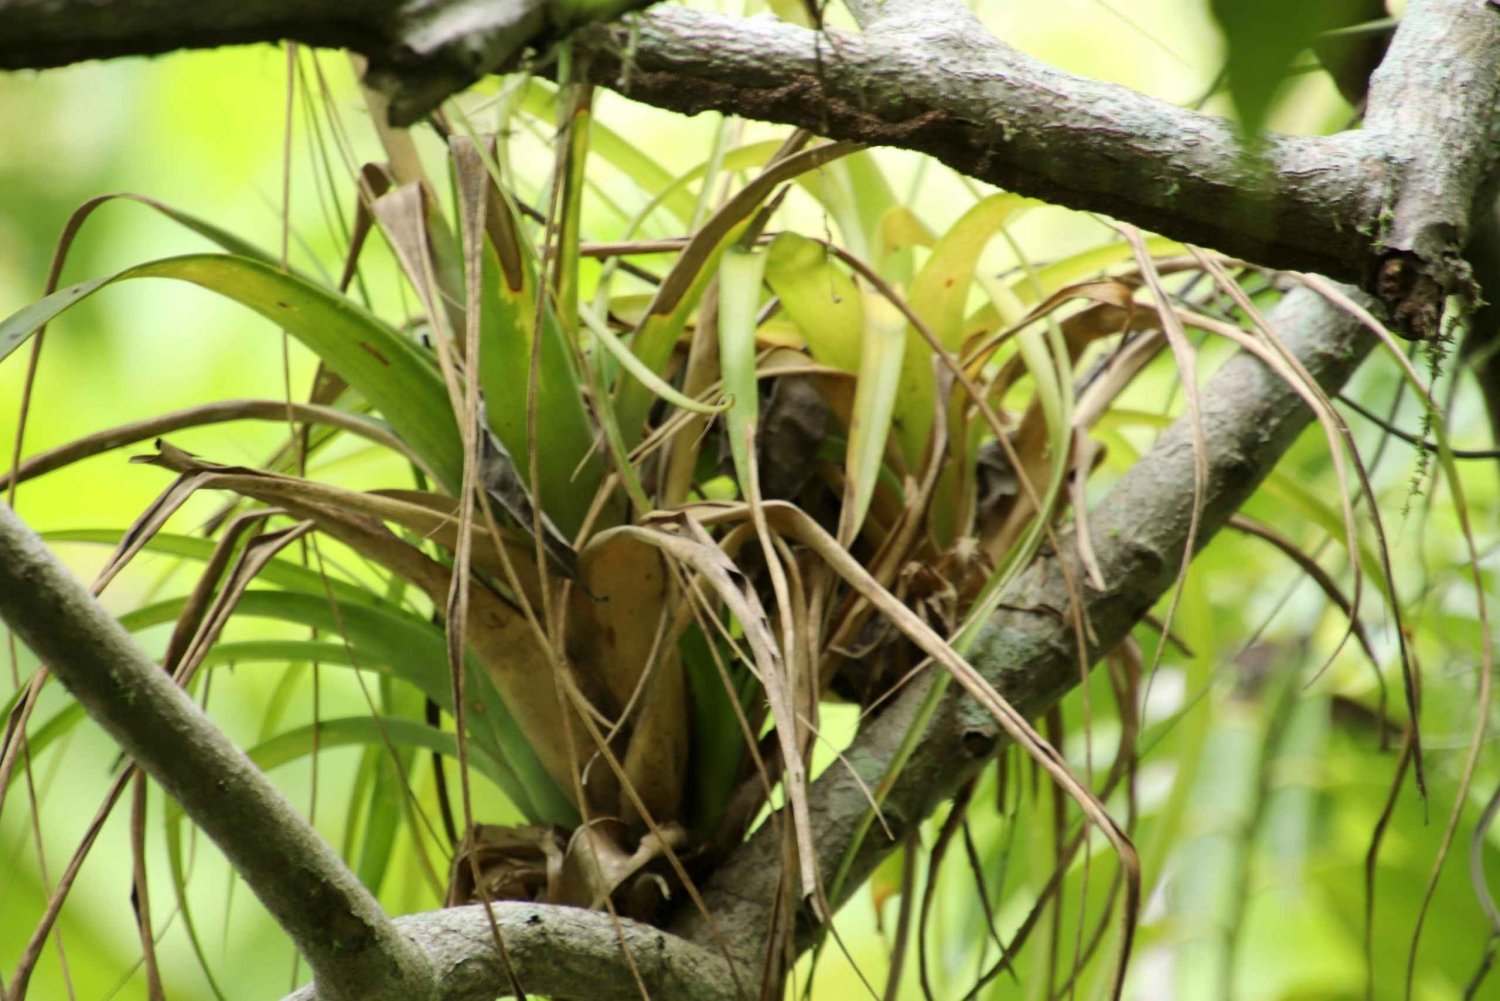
(1262, 38)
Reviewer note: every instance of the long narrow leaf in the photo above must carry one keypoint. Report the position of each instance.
(388, 369)
(740, 275)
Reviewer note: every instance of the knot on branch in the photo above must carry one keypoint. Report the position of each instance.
(1414, 291)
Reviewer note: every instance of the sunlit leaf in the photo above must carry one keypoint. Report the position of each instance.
(820, 298)
(882, 354)
(740, 274)
(387, 368)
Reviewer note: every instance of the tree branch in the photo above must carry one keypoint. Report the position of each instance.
(354, 950)
(945, 87)
(420, 51)
(938, 85)
(1347, 205)
(1432, 101)
(559, 951)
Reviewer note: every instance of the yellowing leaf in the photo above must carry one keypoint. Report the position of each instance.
(881, 358)
(940, 292)
(940, 296)
(821, 299)
(740, 274)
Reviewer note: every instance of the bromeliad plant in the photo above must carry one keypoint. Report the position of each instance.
(664, 507)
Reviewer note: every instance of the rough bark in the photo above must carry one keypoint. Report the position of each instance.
(1431, 104)
(945, 87)
(560, 952)
(421, 50)
(941, 85)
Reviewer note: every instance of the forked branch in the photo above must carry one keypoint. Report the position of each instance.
(942, 85)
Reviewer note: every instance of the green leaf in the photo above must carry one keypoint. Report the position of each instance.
(940, 296)
(388, 803)
(177, 866)
(329, 733)
(821, 299)
(940, 292)
(387, 368)
(640, 371)
(540, 102)
(871, 194)
(678, 195)
(408, 648)
(1291, 495)
(1262, 39)
(857, 196)
(883, 352)
(740, 275)
(1034, 286)
(570, 474)
(56, 725)
(209, 231)
(684, 284)
(719, 746)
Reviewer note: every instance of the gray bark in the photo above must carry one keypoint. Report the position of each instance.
(560, 951)
(944, 86)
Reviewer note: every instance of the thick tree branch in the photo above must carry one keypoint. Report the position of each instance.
(933, 80)
(945, 87)
(938, 85)
(354, 950)
(559, 952)
(1433, 101)
(420, 51)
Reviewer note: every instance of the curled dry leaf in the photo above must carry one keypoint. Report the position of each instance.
(596, 866)
(544, 863)
(514, 863)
